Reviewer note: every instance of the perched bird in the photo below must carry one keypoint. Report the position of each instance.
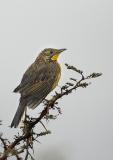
(38, 81)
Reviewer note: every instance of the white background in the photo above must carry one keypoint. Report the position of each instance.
(85, 27)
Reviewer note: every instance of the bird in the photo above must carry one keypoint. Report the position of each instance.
(41, 77)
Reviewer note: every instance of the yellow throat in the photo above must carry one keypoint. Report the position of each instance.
(55, 57)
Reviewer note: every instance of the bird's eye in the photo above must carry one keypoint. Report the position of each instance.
(51, 52)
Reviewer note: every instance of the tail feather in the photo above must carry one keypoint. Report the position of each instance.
(18, 115)
(34, 104)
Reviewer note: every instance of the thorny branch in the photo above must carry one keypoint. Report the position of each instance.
(24, 141)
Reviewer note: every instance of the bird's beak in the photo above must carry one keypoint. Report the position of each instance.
(56, 55)
(61, 50)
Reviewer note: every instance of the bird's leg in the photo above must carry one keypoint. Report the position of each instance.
(47, 114)
(26, 119)
(26, 116)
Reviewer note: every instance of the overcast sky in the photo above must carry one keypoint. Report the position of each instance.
(85, 27)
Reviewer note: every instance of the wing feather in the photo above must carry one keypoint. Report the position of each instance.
(37, 83)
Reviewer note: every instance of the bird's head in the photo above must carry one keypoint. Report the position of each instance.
(51, 54)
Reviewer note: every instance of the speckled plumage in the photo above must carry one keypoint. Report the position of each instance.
(37, 82)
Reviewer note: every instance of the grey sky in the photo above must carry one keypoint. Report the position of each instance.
(85, 27)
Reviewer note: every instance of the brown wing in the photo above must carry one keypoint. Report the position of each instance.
(33, 73)
(36, 84)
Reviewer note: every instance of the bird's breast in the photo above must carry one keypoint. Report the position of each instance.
(57, 75)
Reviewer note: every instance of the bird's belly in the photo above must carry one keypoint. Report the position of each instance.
(57, 78)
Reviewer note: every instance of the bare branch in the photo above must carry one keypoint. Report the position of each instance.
(24, 142)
